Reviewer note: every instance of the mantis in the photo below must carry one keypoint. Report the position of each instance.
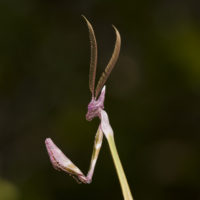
(95, 109)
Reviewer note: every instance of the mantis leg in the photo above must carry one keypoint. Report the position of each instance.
(96, 149)
(61, 162)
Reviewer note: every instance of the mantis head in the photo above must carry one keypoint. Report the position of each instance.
(95, 106)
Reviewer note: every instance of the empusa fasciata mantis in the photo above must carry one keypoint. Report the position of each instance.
(95, 109)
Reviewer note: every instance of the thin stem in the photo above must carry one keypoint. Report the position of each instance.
(120, 172)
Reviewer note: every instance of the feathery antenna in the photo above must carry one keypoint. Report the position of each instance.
(93, 57)
(111, 63)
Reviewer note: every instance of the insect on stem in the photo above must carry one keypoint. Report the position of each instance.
(95, 109)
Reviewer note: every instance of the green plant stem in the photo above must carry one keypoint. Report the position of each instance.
(120, 172)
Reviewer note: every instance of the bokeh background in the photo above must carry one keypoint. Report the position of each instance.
(153, 97)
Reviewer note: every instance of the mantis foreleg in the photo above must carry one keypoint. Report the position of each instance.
(61, 162)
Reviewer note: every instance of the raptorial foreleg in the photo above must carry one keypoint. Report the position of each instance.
(61, 162)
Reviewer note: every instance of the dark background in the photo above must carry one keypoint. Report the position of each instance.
(153, 97)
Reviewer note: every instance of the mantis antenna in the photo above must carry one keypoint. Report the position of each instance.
(93, 56)
(111, 63)
(93, 60)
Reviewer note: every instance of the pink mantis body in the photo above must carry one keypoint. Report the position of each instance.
(95, 109)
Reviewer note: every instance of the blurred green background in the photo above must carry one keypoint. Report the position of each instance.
(153, 97)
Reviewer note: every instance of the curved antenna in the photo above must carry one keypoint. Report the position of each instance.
(111, 63)
(93, 56)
